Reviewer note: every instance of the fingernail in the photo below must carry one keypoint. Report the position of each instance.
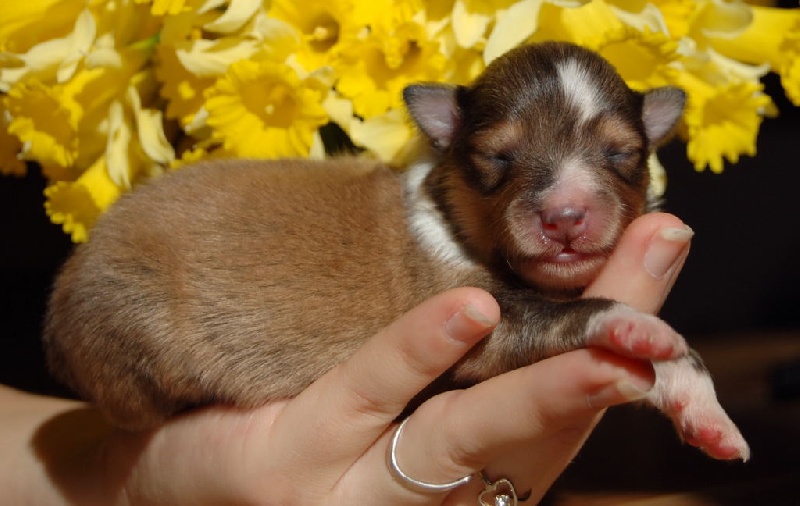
(625, 390)
(468, 323)
(634, 390)
(665, 249)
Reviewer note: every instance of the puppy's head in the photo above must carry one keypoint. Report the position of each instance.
(543, 160)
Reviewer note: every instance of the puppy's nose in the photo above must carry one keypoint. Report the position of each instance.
(564, 224)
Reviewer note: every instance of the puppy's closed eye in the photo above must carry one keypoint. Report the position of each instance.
(502, 160)
(621, 158)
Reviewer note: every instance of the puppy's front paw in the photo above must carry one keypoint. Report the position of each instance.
(628, 332)
(684, 392)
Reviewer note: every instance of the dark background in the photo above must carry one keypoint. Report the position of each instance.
(744, 269)
(738, 291)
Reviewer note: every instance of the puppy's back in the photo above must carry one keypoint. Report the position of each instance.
(189, 283)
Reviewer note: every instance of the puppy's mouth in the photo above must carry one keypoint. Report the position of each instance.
(566, 256)
(567, 269)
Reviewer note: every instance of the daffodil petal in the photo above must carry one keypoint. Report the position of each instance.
(104, 54)
(724, 19)
(150, 131)
(649, 18)
(658, 177)
(211, 5)
(339, 109)
(80, 42)
(591, 25)
(197, 121)
(384, 135)
(317, 151)
(119, 139)
(77, 205)
(235, 16)
(513, 26)
(279, 39)
(59, 57)
(26, 23)
(736, 70)
(211, 58)
(469, 27)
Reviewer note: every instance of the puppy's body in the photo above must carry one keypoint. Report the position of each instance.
(240, 282)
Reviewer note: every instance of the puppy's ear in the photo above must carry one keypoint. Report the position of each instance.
(434, 109)
(661, 111)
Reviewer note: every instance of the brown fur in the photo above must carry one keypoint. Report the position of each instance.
(238, 282)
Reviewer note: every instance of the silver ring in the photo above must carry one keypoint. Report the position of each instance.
(408, 481)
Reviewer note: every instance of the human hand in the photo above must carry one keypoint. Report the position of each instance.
(329, 444)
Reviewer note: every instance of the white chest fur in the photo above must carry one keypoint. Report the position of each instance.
(426, 222)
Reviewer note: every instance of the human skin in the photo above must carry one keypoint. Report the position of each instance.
(328, 445)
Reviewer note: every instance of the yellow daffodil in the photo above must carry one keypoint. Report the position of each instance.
(263, 109)
(190, 61)
(463, 66)
(395, 53)
(472, 18)
(238, 13)
(644, 59)
(713, 19)
(55, 59)
(45, 119)
(205, 58)
(773, 38)
(89, 44)
(85, 84)
(721, 122)
(77, 205)
(182, 89)
(438, 12)
(136, 143)
(26, 24)
(150, 132)
(673, 16)
(385, 136)
(520, 21)
(322, 25)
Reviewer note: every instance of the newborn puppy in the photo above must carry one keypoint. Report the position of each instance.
(239, 282)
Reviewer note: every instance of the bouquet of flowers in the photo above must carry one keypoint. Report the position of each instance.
(105, 93)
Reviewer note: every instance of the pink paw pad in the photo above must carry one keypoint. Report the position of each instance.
(719, 443)
(637, 335)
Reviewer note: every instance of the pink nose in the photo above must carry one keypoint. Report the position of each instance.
(564, 224)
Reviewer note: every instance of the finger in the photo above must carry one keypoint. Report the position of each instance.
(361, 397)
(644, 266)
(447, 437)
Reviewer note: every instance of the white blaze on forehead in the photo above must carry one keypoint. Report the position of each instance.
(579, 88)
